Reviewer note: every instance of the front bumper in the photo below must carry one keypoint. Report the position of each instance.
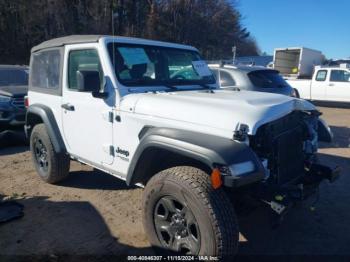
(318, 172)
(12, 118)
(281, 197)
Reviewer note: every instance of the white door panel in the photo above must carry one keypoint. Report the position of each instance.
(319, 85)
(339, 89)
(87, 129)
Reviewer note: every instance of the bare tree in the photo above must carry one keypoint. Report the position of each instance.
(213, 26)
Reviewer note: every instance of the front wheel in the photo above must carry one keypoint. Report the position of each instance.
(182, 213)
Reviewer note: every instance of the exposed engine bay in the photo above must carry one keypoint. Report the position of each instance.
(288, 144)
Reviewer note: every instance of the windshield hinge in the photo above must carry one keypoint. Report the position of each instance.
(111, 150)
(110, 117)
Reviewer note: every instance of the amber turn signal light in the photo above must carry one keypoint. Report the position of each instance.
(216, 180)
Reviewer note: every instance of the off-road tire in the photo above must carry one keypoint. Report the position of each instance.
(212, 210)
(57, 167)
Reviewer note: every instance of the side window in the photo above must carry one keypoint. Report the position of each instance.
(45, 69)
(321, 75)
(87, 60)
(340, 76)
(347, 76)
(226, 79)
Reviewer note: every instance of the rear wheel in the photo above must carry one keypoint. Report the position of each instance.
(182, 213)
(51, 166)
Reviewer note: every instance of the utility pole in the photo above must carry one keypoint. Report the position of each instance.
(234, 51)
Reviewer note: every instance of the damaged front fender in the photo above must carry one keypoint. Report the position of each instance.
(324, 131)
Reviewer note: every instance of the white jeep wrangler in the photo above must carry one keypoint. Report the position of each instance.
(150, 113)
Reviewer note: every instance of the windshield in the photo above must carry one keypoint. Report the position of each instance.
(140, 65)
(13, 77)
(267, 79)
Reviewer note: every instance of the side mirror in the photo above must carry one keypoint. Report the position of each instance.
(89, 81)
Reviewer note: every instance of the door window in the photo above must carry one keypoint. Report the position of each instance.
(340, 76)
(226, 79)
(321, 75)
(86, 60)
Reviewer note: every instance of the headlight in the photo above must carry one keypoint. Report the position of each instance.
(242, 168)
(5, 99)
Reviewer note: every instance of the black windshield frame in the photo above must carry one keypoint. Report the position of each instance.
(113, 50)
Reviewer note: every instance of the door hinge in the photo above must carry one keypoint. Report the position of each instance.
(111, 150)
(110, 117)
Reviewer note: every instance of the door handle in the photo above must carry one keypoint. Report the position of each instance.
(331, 84)
(68, 107)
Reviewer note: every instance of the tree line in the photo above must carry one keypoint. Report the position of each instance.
(213, 26)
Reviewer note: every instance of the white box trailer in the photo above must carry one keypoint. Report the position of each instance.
(297, 62)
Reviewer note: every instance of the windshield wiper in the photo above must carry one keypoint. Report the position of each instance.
(170, 86)
(140, 82)
(166, 84)
(233, 88)
(205, 86)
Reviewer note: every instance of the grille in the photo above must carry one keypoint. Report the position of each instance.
(18, 102)
(281, 142)
(287, 156)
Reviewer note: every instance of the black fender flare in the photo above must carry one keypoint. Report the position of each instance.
(208, 149)
(47, 117)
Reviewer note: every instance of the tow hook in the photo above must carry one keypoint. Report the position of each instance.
(277, 207)
(282, 201)
(279, 211)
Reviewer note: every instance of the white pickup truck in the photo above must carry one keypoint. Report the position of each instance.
(331, 84)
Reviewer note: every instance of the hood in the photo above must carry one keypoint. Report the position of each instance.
(13, 91)
(222, 109)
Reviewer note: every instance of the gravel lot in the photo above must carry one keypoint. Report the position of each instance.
(92, 213)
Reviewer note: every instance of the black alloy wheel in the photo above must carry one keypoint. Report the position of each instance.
(41, 155)
(176, 226)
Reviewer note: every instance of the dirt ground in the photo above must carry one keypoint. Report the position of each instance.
(92, 213)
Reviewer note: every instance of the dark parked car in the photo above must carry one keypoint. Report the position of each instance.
(13, 89)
